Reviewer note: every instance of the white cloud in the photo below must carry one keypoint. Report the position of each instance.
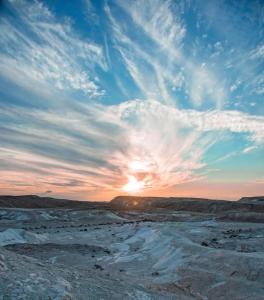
(90, 12)
(100, 146)
(46, 50)
(257, 53)
(156, 18)
(233, 121)
(174, 142)
(155, 70)
(249, 149)
(205, 86)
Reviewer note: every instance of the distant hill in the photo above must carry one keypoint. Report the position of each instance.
(202, 205)
(186, 204)
(34, 201)
(255, 199)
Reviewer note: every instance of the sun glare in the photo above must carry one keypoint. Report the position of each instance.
(133, 185)
(137, 166)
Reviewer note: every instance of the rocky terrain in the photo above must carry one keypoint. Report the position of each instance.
(131, 248)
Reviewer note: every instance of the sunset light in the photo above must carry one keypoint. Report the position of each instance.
(151, 96)
(133, 185)
(132, 149)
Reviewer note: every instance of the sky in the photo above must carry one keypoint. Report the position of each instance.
(112, 97)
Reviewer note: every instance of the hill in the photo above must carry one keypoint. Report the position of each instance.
(186, 204)
(34, 201)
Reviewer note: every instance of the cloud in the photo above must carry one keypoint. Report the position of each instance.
(258, 52)
(233, 121)
(46, 51)
(90, 12)
(157, 19)
(249, 149)
(156, 68)
(98, 148)
(53, 138)
(204, 85)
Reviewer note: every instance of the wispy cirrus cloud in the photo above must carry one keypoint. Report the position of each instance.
(184, 81)
(39, 49)
(157, 20)
(101, 146)
(165, 67)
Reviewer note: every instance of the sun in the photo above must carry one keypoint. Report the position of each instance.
(133, 185)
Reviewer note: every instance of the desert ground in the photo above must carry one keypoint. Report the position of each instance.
(131, 248)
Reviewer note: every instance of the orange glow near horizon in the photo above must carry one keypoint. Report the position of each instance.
(133, 185)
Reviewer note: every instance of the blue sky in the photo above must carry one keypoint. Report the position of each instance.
(100, 98)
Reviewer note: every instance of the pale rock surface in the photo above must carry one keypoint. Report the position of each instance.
(127, 252)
